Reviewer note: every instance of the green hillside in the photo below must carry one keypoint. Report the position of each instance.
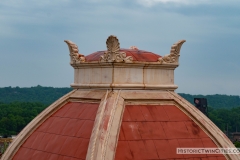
(48, 95)
(45, 95)
(216, 101)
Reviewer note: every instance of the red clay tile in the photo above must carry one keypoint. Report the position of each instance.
(135, 113)
(78, 126)
(66, 148)
(221, 158)
(60, 157)
(212, 158)
(55, 144)
(167, 149)
(73, 110)
(164, 122)
(58, 125)
(44, 126)
(36, 142)
(74, 145)
(143, 149)
(130, 130)
(123, 151)
(82, 149)
(40, 155)
(175, 114)
(28, 143)
(146, 113)
(45, 141)
(197, 143)
(23, 154)
(151, 130)
(70, 128)
(159, 113)
(208, 143)
(90, 111)
(195, 130)
(86, 129)
(175, 130)
(126, 116)
(67, 158)
(63, 110)
(94, 56)
(53, 157)
(56, 136)
(121, 134)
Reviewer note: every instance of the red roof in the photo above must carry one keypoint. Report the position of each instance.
(155, 131)
(137, 55)
(64, 135)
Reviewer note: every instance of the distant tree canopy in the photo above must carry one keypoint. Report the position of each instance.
(16, 115)
(226, 119)
(216, 101)
(45, 95)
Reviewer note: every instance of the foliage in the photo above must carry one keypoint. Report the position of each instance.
(16, 115)
(46, 95)
(226, 119)
(216, 101)
(237, 144)
(4, 148)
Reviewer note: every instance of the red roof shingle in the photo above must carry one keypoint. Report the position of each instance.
(156, 131)
(64, 135)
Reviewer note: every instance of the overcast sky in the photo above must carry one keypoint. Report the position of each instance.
(32, 51)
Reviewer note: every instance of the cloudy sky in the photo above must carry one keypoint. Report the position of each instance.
(32, 51)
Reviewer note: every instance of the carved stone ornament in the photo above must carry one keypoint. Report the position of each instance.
(174, 53)
(113, 54)
(74, 55)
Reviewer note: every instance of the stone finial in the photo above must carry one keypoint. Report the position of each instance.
(74, 55)
(174, 53)
(113, 54)
(134, 47)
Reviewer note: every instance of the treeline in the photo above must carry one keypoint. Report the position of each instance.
(48, 95)
(16, 115)
(226, 119)
(216, 101)
(45, 95)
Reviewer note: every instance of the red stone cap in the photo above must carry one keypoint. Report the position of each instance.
(136, 54)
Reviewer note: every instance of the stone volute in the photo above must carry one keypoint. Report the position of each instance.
(124, 68)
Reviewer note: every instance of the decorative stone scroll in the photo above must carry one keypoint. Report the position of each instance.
(174, 53)
(113, 54)
(74, 55)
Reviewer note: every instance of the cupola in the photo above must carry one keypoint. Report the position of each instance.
(123, 106)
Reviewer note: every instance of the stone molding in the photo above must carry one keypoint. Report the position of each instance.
(173, 57)
(75, 57)
(124, 76)
(113, 54)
